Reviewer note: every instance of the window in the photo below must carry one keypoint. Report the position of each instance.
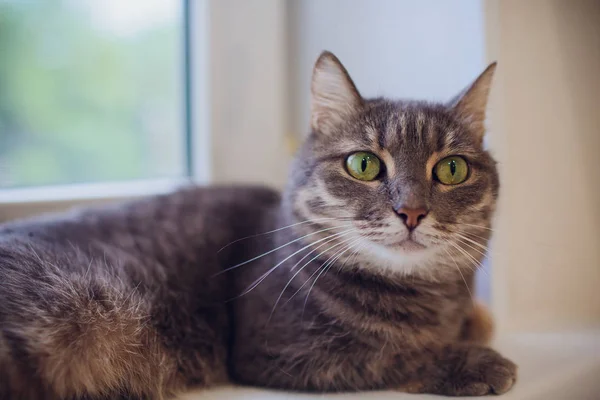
(91, 91)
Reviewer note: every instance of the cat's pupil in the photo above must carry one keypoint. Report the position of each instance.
(363, 164)
(453, 167)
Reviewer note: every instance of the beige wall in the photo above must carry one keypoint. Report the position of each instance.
(545, 130)
(248, 92)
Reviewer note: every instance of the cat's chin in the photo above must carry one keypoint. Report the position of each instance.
(410, 246)
(406, 256)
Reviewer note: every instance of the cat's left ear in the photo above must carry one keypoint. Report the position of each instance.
(334, 96)
(471, 104)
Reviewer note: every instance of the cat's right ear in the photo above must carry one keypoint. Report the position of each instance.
(470, 105)
(334, 95)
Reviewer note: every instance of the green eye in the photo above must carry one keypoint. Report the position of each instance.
(452, 170)
(363, 165)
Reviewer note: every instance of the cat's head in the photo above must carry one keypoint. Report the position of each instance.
(401, 185)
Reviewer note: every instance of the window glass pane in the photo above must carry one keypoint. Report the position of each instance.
(90, 91)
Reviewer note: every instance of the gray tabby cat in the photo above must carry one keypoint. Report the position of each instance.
(362, 280)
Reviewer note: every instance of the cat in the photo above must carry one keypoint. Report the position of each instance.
(359, 276)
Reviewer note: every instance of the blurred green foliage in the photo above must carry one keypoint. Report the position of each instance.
(78, 104)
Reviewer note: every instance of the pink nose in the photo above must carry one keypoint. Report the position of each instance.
(411, 216)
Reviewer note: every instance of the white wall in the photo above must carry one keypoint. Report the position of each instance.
(426, 49)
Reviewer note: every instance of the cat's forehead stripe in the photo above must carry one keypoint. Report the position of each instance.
(403, 125)
(450, 137)
(431, 132)
(420, 121)
(391, 132)
(372, 134)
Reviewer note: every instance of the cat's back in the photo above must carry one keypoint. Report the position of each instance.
(173, 239)
(194, 212)
(108, 294)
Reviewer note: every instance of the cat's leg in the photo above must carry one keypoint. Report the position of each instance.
(66, 333)
(460, 369)
(464, 369)
(479, 325)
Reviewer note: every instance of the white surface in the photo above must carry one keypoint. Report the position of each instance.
(551, 366)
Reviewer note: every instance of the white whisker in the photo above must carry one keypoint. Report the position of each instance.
(360, 246)
(325, 268)
(485, 239)
(266, 274)
(476, 264)
(471, 247)
(273, 231)
(301, 268)
(316, 271)
(460, 272)
(278, 248)
(485, 248)
(353, 254)
(477, 226)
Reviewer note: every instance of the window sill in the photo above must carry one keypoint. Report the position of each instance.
(25, 202)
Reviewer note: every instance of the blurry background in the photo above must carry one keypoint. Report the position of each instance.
(110, 99)
(95, 90)
(90, 91)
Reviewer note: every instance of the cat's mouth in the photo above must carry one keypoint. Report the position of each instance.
(410, 245)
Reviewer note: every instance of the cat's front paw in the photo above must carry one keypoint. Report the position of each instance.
(475, 371)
